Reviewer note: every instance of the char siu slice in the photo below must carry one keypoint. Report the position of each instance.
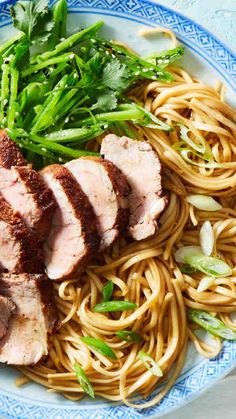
(107, 190)
(142, 168)
(73, 238)
(19, 248)
(24, 189)
(34, 318)
(6, 309)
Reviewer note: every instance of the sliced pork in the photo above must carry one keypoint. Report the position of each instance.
(107, 190)
(6, 309)
(10, 154)
(142, 168)
(19, 248)
(33, 319)
(73, 238)
(23, 188)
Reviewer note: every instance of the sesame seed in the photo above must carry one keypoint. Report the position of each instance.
(60, 159)
(137, 73)
(17, 113)
(71, 56)
(5, 102)
(67, 120)
(107, 53)
(154, 77)
(44, 149)
(145, 70)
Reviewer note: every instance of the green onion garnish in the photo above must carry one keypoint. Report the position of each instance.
(129, 336)
(150, 364)
(211, 324)
(84, 381)
(193, 256)
(110, 306)
(107, 291)
(99, 346)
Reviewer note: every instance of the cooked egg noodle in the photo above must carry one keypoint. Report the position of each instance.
(145, 272)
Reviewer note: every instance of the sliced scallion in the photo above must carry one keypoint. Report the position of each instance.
(211, 324)
(110, 306)
(193, 256)
(129, 336)
(150, 364)
(99, 346)
(207, 238)
(107, 291)
(204, 202)
(84, 381)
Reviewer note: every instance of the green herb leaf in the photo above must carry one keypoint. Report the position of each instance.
(107, 102)
(110, 306)
(150, 364)
(107, 291)
(211, 324)
(129, 336)
(34, 19)
(116, 75)
(84, 381)
(99, 346)
(193, 256)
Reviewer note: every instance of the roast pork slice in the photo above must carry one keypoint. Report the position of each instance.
(142, 168)
(24, 189)
(33, 320)
(10, 154)
(6, 309)
(107, 190)
(19, 248)
(73, 238)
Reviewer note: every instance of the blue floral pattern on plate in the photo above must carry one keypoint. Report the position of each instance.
(197, 379)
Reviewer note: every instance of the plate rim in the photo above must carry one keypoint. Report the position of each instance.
(228, 367)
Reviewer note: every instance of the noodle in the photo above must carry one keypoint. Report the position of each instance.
(145, 272)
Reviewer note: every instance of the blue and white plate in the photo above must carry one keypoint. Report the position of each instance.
(207, 58)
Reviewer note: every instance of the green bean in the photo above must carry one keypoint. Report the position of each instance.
(69, 43)
(13, 97)
(50, 62)
(74, 134)
(59, 12)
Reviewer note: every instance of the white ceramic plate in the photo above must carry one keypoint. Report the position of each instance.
(207, 58)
